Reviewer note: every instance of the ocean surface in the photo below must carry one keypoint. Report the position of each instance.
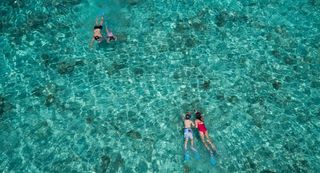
(251, 66)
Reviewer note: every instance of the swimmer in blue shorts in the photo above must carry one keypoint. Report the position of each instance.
(188, 131)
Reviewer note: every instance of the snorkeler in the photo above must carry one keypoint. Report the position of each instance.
(204, 133)
(97, 31)
(188, 131)
(110, 36)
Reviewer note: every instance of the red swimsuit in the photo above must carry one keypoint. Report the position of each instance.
(202, 128)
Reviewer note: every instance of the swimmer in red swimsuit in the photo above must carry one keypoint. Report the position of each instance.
(204, 133)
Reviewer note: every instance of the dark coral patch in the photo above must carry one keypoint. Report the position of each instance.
(138, 71)
(4, 106)
(276, 85)
(134, 134)
(105, 162)
(206, 84)
(221, 19)
(65, 68)
(50, 100)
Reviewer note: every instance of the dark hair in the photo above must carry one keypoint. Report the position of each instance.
(198, 116)
(188, 116)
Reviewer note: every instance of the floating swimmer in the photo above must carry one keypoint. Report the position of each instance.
(205, 138)
(97, 35)
(189, 135)
(110, 36)
(203, 132)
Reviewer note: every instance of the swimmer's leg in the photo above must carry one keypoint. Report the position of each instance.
(204, 142)
(209, 141)
(196, 154)
(97, 21)
(101, 21)
(185, 144)
(192, 145)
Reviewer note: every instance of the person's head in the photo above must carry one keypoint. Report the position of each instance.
(199, 116)
(96, 38)
(188, 116)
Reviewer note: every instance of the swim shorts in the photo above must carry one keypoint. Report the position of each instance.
(188, 133)
(98, 27)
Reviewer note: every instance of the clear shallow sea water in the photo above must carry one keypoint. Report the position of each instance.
(252, 67)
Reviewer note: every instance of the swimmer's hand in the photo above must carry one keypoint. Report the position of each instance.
(182, 117)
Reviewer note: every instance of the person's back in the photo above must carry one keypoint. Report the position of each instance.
(188, 123)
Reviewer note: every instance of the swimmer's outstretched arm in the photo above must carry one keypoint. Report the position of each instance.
(193, 124)
(182, 117)
(107, 38)
(115, 38)
(107, 29)
(91, 42)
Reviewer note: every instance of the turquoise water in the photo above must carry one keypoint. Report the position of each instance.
(252, 67)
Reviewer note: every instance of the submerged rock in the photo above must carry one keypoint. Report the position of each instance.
(138, 71)
(37, 20)
(220, 96)
(117, 163)
(314, 2)
(221, 19)
(49, 100)
(181, 26)
(48, 60)
(105, 162)
(232, 99)
(251, 164)
(266, 153)
(190, 42)
(118, 66)
(134, 134)
(267, 171)
(289, 60)
(65, 68)
(79, 63)
(206, 84)
(276, 85)
(115, 68)
(133, 2)
(198, 25)
(186, 169)
(315, 84)
(1, 105)
(72, 2)
(64, 3)
(45, 58)
(89, 120)
(4, 106)
(16, 3)
(142, 167)
(276, 53)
